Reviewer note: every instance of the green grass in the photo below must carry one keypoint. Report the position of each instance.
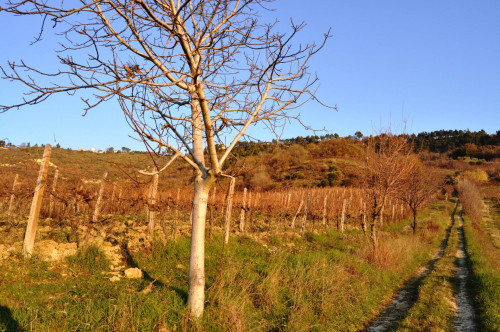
(484, 262)
(89, 259)
(318, 282)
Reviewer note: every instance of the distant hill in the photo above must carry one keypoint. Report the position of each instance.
(312, 161)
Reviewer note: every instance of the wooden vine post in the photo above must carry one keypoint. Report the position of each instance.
(303, 229)
(153, 192)
(324, 211)
(363, 220)
(292, 225)
(98, 204)
(12, 195)
(242, 214)
(112, 202)
(53, 190)
(229, 207)
(342, 217)
(249, 210)
(29, 237)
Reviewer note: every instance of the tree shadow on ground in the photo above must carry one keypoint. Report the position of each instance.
(129, 259)
(8, 322)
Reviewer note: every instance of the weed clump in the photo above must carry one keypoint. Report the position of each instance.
(90, 258)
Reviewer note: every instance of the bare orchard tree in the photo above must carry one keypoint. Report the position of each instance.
(419, 186)
(387, 165)
(186, 74)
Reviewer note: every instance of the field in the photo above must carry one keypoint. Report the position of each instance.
(302, 258)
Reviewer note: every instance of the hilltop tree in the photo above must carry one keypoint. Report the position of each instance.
(187, 75)
(388, 163)
(418, 187)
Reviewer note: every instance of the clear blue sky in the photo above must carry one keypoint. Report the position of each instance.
(434, 64)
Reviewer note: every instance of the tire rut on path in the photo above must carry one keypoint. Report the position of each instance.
(408, 295)
(465, 319)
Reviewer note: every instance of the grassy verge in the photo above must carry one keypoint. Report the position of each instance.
(484, 262)
(436, 305)
(320, 282)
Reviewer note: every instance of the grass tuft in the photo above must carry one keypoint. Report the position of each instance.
(90, 258)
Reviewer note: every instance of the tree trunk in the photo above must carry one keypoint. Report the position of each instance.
(414, 226)
(196, 294)
(374, 237)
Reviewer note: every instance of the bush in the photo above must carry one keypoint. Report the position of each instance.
(261, 179)
(478, 176)
(471, 199)
(335, 176)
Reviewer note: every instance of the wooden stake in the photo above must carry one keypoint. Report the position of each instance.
(51, 200)
(120, 200)
(12, 196)
(288, 201)
(242, 214)
(229, 207)
(151, 204)
(29, 237)
(305, 215)
(324, 211)
(292, 225)
(97, 208)
(113, 194)
(342, 217)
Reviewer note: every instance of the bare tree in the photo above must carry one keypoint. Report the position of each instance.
(188, 75)
(387, 165)
(419, 186)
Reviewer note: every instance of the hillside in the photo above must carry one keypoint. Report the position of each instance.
(299, 255)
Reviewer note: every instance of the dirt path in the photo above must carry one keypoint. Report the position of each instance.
(408, 296)
(464, 320)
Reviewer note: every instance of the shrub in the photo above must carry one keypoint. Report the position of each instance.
(471, 199)
(261, 179)
(335, 176)
(478, 176)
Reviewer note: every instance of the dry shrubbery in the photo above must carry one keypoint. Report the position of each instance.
(470, 196)
(477, 176)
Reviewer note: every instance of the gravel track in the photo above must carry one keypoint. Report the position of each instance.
(465, 319)
(408, 295)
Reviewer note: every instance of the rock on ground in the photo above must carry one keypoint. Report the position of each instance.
(133, 273)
